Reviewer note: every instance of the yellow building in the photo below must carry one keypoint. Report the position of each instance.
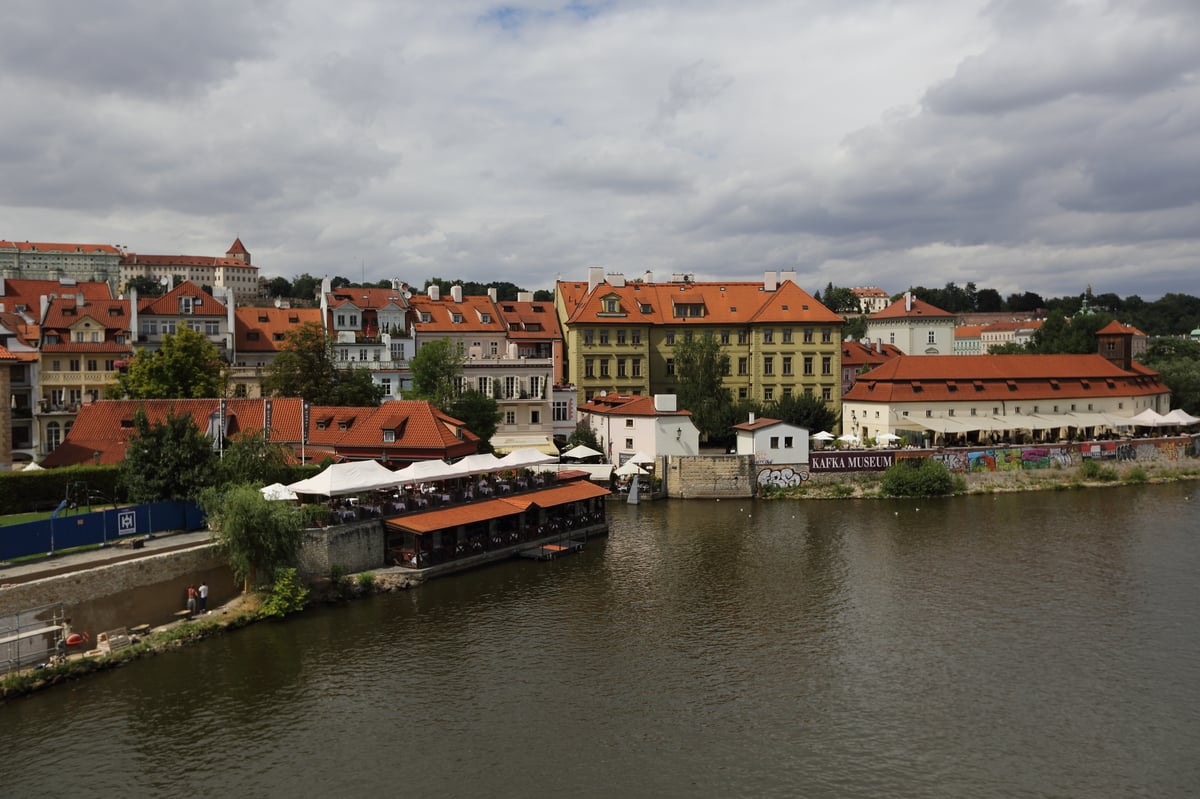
(620, 335)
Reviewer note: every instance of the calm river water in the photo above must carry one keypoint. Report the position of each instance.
(1020, 645)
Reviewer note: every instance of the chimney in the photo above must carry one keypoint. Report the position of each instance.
(595, 276)
(648, 277)
(617, 279)
(492, 294)
(751, 417)
(788, 275)
(907, 301)
(456, 293)
(523, 296)
(80, 300)
(770, 280)
(434, 293)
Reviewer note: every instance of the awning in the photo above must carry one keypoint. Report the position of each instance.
(473, 512)
(507, 442)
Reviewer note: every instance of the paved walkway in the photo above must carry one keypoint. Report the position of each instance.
(77, 561)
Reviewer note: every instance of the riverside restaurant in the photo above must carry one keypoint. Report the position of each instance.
(434, 513)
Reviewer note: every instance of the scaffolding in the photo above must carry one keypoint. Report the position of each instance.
(32, 637)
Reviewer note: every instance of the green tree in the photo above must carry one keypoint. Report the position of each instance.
(279, 287)
(355, 387)
(803, 411)
(1177, 361)
(855, 328)
(250, 458)
(257, 537)
(1008, 348)
(700, 369)
(304, 366)
(480, 413)
(305, 287)
(167, 460)
(988, 301)
(840, 299)
(435, 368)
(146, 286)
(584, 435)
(186, 366)
(1061, 336)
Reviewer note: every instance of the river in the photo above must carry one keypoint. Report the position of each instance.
(1040, 644)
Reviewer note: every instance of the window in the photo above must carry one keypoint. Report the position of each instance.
(53, 436)
(604, 337)
(808, 365)
(535, 416)
(931, 339)
(768, 336)
(826, 335)
(787, 335)
(768, 393)
(787, 364)
(611, 305)
(743, 366)
(456, 318)
(743, 393)
(510, 417)
(110, 364)
(670, 366)
(537, 387)
(774, 442)
(620, 336)
(629, 443)
(808, 335)
(211, 329)
(95, 337)
(150, 327)
(687, 335)
(725, 337)
(512, 387)
(826, 365)
(168, 327)
(386, 382)
(560, 411)
(389, 436)
(787, 391)
(636, 365)
(891, 338)
(587, 337)
(635, 337)
(604, 367)
(341, 320)
(589, 367)
(73, 365)
(93, 365)
(485, 318)
(743, 336)
(671, 337)
(629, 423)
(768, 365)
(397, 350)
(186, 305)
(621, 368)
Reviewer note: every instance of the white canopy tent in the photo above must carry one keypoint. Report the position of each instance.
(350, 477)
(426, 471)
(526, 457)
(1182, 417)
(581, 451)
(277, 492)
(478, 464)
(640, 458)
(629, 468)
(1151, 418)
(824, 435)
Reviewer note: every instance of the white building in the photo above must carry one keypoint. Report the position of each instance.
(915, 326)
(772, 441)
(626, 425)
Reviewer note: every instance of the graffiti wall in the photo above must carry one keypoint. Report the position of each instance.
(782, 476)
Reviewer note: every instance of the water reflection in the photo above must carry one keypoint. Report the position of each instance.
(1034, 644)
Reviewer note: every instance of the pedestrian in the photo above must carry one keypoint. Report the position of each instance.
(192, 596)
(203, 597)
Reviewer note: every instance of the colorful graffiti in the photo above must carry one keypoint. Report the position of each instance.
(781, 477)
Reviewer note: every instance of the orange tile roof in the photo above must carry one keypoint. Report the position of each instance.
(757, 424)
(105, 426)
(869, 291)
(920, 308)
(441, 318)
(532, 320)
(134, 259)
(237, 247)
(1116, 328)
(270, 326)
(625, 405)
(366, 299)
(951, 378)
(6, 355)
(65, 311)
(168, 304)
(860, 353)
(723, 303)
(443, 518)
(21, 291)
(968, 331)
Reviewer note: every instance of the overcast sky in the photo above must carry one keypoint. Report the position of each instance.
(1025, 145)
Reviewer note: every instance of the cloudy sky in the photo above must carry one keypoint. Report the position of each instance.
(1025, 145)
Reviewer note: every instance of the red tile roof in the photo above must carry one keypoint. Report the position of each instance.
(719, 303)
(1116, 328)
(530, 320)
(968, 331)
(920, 309)
(862, 353)
(948, 378)
(624, 405)
(72, 249)
(758, 424)
(473, 512)
(20, 291)
(237, 248)
(168, 304)
(366, 299)
(472, 311)
(134, 259)
(65, 312)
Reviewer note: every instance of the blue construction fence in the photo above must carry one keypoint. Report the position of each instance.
(80, 528)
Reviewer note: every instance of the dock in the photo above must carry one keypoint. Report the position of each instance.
(551, 551)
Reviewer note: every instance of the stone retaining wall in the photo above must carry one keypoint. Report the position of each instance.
(710, 476)
(354, 547)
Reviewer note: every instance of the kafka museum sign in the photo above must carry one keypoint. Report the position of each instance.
(850, 461)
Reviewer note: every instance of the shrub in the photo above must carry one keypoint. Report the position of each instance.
(339, 581)
(917, 478)
(366, 581)
(287, 595)
(1090, 470)
(1136, 475)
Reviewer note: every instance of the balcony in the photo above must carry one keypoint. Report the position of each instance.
(77, 379)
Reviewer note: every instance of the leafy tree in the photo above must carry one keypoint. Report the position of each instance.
(914, 477)
(584, 435)
(167, 460)
(435, 368)
(543, 295)
(355, 387)
(1008, 348)
(250, 458)
(258, 537)
(1025, 302)
(304, 366)
(803, 411)
(700, 369)
(1177, 361)
(1058, 335)
(839, 299)
(480, 413)
(855, 328)
(146, 286)
(305, 287)
(988, 301)
(186, 366)
(279, 287)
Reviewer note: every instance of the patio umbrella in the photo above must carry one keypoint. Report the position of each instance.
(581, 451)
(641, 457)
(889, 437)
(629, 468)
(849, 438)
(824, 435)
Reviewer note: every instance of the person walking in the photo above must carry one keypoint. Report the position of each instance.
(192, 596)
(203, 597)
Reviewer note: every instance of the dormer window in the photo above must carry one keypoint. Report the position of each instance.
(389, 436)
(486, 318)
(456, 318)
(187, 305)
(425, 317)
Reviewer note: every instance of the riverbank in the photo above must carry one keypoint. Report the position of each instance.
(867, 485)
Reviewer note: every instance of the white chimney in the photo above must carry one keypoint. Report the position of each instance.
(492, 295)
(788, 275)
(616, 280)
(908, 301)
(595, 276)
(434, 293)
(523, 296)
(751, 417)
(770, 281)
(80, 300)
(456, 293)
(666, 403)
(648, 277)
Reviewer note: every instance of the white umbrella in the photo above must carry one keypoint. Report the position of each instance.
(277, 491)
(581, 451)
(526, 457)
(824, 435)
(887, 437)
(641, 457)
(849, 438)
(629, 468)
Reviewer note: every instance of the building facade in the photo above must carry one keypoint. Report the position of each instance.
(234, 274)
(93, 263)
(914, 326)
